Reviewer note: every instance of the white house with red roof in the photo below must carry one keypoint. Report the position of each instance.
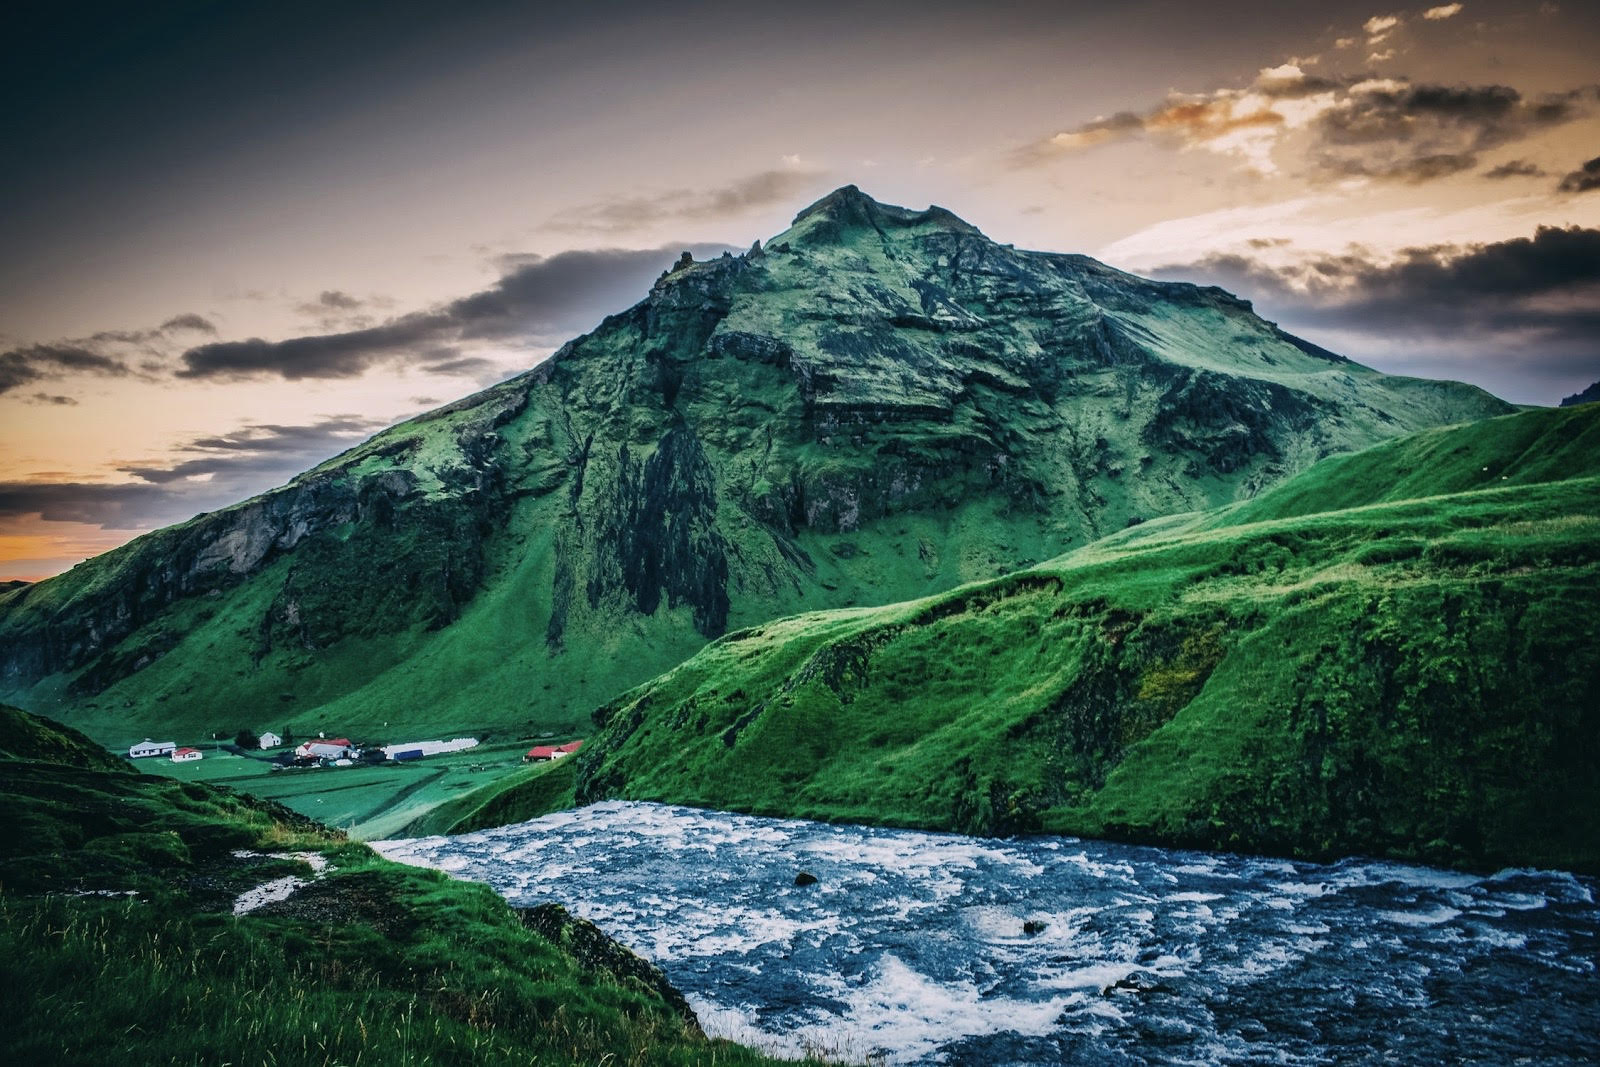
(186, 755)
(540, 753)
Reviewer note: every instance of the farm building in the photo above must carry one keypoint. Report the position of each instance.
(539, 753)
(270, 740)
(327, 748)
(185, 755)
(148, 747)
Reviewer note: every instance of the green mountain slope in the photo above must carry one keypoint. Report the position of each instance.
(879, 404)
(119, 942)
(1349, 663)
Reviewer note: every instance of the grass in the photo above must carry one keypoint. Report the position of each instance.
(1406, 673)
(118, 942)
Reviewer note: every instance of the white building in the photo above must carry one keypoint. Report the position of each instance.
(417, 749)
(186, 755)
(148, 747)
(270, 740)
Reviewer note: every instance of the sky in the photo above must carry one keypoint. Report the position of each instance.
(241, 237)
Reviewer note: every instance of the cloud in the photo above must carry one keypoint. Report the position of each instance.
(335, 298)
(188, 321)
(1583, 179)
(537, 299)
(113, 507)
(1379, 27)
(105, 354)
(1527, 307)
(1443, 11)
(1242, 122)
(206, 473)
(46, 362)
(1335, 127)
(1515, 168)
(55, 399)
(768, 188)
(465, 366)
(275, 449)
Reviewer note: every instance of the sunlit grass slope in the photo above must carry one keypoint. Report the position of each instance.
(118, 944)
(1396, 652)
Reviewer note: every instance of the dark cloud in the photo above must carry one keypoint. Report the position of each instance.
(210, 472)
(1360, 126)
(1583, 179)
(189, 321)
(38, 363)
(112, 507)
(1417, 133)
(333, 355)
(1516, 168)
(466, 366)
(106, 354)
(766, 189)
(1501, 313)
(262, 452)
(537, 299)
(335, 298)
(55, 399)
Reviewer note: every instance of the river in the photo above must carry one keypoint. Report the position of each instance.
(933, 948)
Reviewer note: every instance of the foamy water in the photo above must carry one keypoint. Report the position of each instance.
(912, 947)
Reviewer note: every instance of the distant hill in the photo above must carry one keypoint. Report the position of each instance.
(121, 939)
(879, 404)
(1396, 653)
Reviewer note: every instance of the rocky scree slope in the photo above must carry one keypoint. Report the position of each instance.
(1395, 653)
(878, 404)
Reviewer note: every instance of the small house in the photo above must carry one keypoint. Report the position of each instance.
(270, 740)
(148, 747)
(186, 755)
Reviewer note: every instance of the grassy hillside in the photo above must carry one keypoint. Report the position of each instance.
(119, 942)
(517, 797)
(1396, 652)
(879, 404)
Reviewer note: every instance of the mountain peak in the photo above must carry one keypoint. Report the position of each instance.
(848, 208)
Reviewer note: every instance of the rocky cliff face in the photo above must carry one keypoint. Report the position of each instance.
(879, 404)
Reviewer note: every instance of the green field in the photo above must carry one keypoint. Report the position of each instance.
(1396, 653)
(366, 802)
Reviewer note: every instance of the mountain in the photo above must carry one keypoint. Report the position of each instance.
(878, 404)
(122, 939)
(1396, 652)
(1588, 396)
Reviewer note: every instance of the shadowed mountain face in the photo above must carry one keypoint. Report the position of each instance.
(880, 404)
